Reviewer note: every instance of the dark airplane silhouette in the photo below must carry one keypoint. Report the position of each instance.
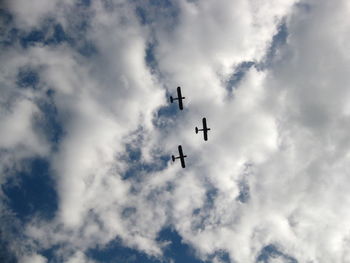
(179, 98)
(181, 157)
(204, 130)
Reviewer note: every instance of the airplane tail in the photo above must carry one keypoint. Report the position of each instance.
(171, 99)
(196, 129)
(173, 158)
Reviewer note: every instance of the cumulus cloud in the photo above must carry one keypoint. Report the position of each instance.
(34, 259)
(271, 182)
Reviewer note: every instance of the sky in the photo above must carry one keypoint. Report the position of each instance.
(87, 131)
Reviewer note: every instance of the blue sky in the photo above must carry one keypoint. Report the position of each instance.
(87, 131)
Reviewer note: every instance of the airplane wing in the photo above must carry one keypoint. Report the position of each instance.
(205, 129)
(179, 95)
(180, 151)
(204, 120)
(182, 157)
(179, 92)
(180, 104)
(205, 134)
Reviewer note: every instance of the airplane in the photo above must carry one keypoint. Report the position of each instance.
(181, 157)
(205, 129)
(179, 98)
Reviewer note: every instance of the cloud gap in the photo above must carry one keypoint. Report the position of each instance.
(238, 75)
(49, 122)
(273, 52)
(137, 166)
(270, 252)
(28, 77)
(117, 252)
(177, 250)
(34, 193)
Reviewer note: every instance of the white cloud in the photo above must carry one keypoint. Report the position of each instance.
(19, 113)
(34, 258)
(31, 13)
(18, 131)
(79, 257)
(283, 130)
